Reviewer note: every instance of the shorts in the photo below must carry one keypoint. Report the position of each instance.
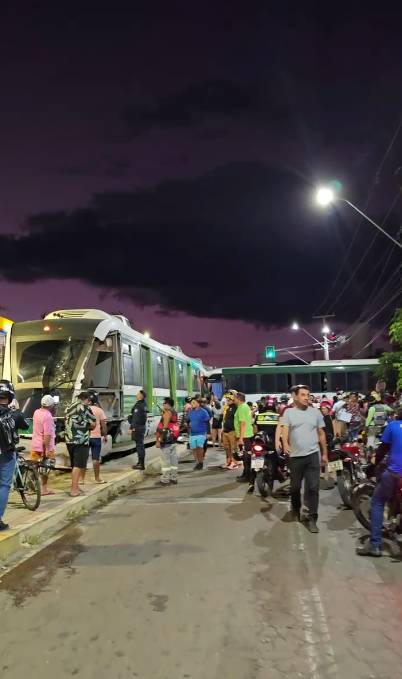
(216, 424)
(79, 454)
(95, 446)
(197, 441)
(37, 457)
(229, 442)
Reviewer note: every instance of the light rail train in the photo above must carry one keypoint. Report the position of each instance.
(76, 349)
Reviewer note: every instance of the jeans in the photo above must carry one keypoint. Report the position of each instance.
(139, 434)
(6, 477)
(170, 463)
(248, 474)
(384, 492)
(306, 467)
(353, 432)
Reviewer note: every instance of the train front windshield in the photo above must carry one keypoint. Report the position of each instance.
(48, 363)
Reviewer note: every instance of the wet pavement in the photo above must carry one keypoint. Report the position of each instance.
(202, 581)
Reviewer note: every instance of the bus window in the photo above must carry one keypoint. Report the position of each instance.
(160, 371)
(282, 383)
(268, 383)
(316, 383)
(337, 380)
(356, 381)
(235, 382)
(181, 376)
(250, 384)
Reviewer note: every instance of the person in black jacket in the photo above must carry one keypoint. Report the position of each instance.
(10, 422)
(138, 421)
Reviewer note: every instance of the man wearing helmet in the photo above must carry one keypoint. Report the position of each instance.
(44, 437)
(10, 422)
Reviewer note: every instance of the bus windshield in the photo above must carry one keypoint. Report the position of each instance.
(48, 362)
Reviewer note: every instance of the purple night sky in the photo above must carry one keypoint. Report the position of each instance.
(160, 163)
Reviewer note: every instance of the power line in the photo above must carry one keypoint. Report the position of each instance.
(375, 182)
(372, 339)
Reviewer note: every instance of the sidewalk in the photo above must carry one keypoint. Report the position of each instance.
(29, 529)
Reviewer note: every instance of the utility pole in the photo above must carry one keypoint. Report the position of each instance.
(325, 331)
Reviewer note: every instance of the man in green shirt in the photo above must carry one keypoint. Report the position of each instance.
(244, 433)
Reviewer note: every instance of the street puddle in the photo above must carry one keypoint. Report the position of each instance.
(34, 575)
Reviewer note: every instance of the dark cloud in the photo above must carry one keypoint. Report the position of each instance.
(200, 102)
(202, 344)
(240, 242)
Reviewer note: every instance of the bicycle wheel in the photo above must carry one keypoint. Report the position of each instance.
(30, 490)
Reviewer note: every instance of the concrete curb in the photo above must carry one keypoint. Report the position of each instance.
(35, 532)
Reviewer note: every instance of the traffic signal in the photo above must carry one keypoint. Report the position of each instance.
(270, 353)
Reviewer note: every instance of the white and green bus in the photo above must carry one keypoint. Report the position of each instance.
(322, 377)
(77, 349)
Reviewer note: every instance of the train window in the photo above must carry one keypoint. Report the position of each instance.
(196, 381)
(103, 370)
(136, 356)
(160, 371)
(181, 375)
(128, 369)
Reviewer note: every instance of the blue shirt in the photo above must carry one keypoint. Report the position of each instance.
(199, 421)
(393, 436)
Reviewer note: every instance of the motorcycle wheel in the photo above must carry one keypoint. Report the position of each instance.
(265, 483)
(362, 502)
(345, 487)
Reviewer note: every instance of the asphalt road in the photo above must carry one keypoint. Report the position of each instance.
(201, 581)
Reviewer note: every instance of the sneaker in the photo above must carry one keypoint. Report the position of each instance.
(250, 489)
(4, 526)
(368, 550)
(198, 466)
(173, 481)
(312, 526)
(138, 466)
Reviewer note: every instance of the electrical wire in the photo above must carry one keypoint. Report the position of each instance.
(375, 183)
(372, 339)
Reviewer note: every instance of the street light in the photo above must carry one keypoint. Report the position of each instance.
(324, 345)
(325, 196)
(147, 334)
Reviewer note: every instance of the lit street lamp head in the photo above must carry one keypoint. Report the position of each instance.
(325, 330)
(295, 326)
(324, 196)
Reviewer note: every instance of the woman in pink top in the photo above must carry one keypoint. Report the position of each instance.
(44, 437)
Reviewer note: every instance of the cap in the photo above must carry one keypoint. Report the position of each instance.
(47, 401)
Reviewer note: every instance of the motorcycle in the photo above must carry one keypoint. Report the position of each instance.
(346, 461)
(269, 465)
(392, 526)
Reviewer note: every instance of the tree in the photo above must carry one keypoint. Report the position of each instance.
(391, 361)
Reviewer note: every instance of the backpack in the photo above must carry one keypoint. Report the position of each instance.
(8, 432)
(380, 415)
(171, 434)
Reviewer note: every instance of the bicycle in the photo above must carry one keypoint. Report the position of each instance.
(26, 482)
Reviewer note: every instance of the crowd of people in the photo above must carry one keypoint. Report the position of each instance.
(304, 427)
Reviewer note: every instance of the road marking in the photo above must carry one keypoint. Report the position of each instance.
(190, 501)
(312, 609)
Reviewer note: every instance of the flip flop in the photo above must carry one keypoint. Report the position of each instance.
(101, 481)
(49, 492)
